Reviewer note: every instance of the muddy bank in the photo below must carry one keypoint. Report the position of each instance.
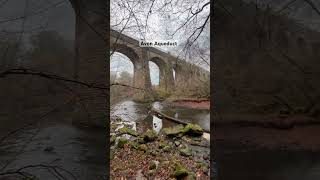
(193, 104)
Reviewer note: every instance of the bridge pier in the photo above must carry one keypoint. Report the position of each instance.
(90, 64)
(142, 80)
(166, 79)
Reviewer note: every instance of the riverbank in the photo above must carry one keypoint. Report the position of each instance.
(179, 152)
(190, 103)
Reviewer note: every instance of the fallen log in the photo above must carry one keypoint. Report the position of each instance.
(164, 116)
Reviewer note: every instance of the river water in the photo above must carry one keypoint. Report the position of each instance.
(138, 114)
(76, 150)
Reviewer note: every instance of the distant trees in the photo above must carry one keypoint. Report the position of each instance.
(50, 52)
(118, 93)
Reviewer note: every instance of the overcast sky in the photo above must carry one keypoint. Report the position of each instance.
(60, 17)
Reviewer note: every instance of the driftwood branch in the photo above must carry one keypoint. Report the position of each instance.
(164, 116)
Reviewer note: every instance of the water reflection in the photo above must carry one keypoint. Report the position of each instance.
(74, 149)
(137, 113)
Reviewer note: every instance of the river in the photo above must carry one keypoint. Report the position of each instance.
(54, 143)
(137, 113)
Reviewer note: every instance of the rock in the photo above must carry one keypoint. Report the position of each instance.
(180, 171)
(173, 131)
(150, 135)
(127, 130)
(193, 130)
(122, 142)
(185, 151)
(177, 143)
(154, 165)
(143, 147)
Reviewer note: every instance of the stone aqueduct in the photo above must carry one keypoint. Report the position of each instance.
(140, 58)
(92, 48)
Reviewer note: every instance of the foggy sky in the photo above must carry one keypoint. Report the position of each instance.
(58, 18)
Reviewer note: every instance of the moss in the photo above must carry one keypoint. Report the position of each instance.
(122, 142)
(133, 144)
(173, 131)
(191, 176)
(143, 147)
(180, 171)
(162, 144)
(127, 130)
(185, 151)
(150, 135)
(203, 166)
(179, 130)
(193, 129)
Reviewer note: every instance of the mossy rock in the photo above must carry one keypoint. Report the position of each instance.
(113, 139)
(150, 135)
(143, 147)
(140, 140)
(203, 166)
(127, 130)
(191, 176)
(185, 151)
(173, 131)
(193, 130)
(180, 171)
(122, 142)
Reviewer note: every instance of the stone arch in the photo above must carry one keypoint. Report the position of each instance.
(119, 63)
(127, 51)
(166, 75)
(141, 76)
(154, 73)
